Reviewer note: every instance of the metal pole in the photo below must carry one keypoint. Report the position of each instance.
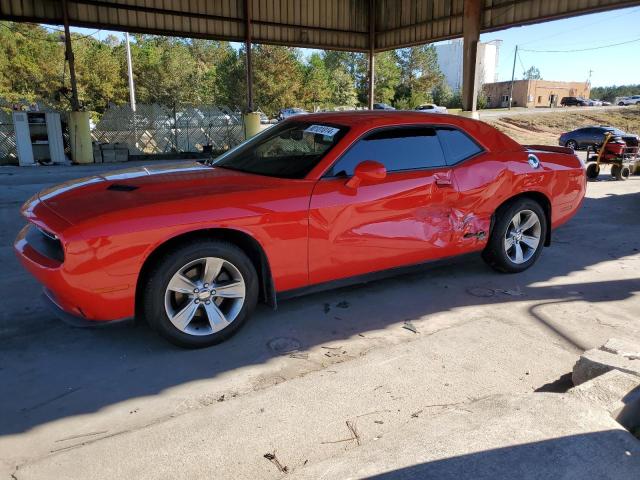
(132, 92)
(249, 65)
(75, 103)
(513, 76)
(372, 54)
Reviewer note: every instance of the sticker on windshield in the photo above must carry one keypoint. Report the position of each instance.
(322, 130)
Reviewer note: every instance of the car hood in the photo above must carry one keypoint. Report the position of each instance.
(86, 198)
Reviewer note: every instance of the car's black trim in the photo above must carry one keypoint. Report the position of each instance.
(74, 320)
(372, 276)
(45, 243)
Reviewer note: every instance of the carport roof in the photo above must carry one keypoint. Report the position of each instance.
(326, 24)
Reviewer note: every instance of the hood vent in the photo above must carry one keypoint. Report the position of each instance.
(121, 187)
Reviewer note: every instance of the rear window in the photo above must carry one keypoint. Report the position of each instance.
(458, 146)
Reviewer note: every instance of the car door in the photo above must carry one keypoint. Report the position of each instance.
(402, 219)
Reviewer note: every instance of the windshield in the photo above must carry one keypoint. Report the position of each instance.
(288, 150)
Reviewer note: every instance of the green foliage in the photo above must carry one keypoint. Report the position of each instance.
(278, 76)
(31, 63)
(532, 74)
(610, 94)
(420, 76)
(175, 71)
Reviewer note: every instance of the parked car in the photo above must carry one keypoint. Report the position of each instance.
(594, 103)
(290, 112)
(314, 201)
(584, 137)
(632, 100)
(382, 106)
(431, 108)
(573, 102)
(605, 103)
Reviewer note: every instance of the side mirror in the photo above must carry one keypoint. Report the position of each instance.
(368, 171)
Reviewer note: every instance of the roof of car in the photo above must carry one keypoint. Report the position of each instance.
(378, 116)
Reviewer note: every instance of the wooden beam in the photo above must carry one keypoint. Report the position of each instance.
(249, 61)
(372, 54)
(75, 103)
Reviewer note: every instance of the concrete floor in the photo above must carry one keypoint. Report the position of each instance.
(123, 403)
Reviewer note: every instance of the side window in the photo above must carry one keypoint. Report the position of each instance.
(458, 146)
(396, 148)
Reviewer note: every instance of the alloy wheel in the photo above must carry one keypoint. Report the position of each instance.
(522, 237)
(204, 296)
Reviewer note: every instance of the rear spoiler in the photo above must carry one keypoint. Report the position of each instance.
(550, 148)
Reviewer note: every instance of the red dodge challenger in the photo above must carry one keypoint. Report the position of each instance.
(323, 200)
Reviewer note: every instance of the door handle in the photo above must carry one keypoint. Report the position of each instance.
(443, 179)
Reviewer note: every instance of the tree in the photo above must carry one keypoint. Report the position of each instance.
(100, 73)
(387, 77)
(31, 63)
(317, 87)
(278, 77)
(341, 68)
(420, 76)
(532, 74)
(165, 71)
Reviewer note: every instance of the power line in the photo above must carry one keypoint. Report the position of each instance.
(580, 27)
(584, 49)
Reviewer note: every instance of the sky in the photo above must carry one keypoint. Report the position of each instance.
(614, 65)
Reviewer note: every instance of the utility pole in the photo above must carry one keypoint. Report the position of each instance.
(68, 51)
(513, 76)
(132, 91)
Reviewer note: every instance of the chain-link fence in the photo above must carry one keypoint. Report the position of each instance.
(8, 152)
(154, 129)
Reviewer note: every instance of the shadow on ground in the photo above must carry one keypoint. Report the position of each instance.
(50, 371)
(572, 457)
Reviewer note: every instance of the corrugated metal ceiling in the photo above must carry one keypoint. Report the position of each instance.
(328, 24)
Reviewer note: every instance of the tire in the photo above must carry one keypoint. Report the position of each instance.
(572, 144)
(621, 104)
(504, 258)
(205, 316)
(620, 172)
(593, 170)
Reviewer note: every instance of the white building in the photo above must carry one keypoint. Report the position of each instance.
(450, 62)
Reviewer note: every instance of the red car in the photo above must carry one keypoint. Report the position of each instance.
(319, 200)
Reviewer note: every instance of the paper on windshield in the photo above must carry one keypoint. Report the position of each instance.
(322, 130)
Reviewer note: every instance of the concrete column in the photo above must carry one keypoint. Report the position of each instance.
(472, 16)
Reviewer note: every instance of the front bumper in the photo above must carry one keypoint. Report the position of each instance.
(83, 294)
(75, 320)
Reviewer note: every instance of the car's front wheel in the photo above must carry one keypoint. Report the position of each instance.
(518, 235)
(201, 293)
(572, 144)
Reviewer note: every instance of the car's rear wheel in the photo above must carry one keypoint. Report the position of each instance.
(572, 144)
(201, 293)
(517, 237)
